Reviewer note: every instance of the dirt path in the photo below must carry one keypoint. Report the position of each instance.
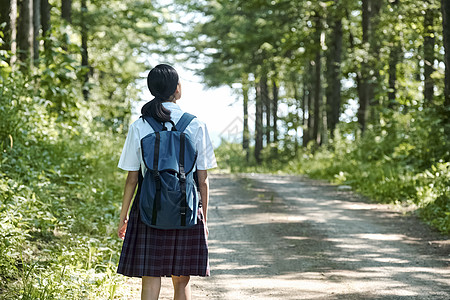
(286, 237)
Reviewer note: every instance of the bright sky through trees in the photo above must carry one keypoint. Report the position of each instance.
(217, 107)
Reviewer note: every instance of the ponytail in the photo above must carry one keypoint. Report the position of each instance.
(156, 110)
(162, 82)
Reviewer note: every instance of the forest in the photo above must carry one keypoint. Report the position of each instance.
(353, 92)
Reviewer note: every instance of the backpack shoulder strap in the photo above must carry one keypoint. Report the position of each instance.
(153, 123)
(184, 121)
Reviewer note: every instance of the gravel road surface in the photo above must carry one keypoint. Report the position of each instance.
(289, 237)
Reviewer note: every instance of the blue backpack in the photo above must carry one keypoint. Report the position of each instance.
(168, 195)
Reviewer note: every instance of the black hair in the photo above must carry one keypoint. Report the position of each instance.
(162, 82)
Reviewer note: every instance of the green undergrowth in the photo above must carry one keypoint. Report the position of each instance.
(58, 213)
(404, 162)
(60, 196)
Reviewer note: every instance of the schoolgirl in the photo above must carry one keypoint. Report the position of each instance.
(152, 253)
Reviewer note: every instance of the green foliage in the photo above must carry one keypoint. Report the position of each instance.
(397, 158)
(433, 190)
(58, 203)
(232, 158)
(60, 189)
(400, 161)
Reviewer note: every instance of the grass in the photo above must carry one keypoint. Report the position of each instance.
(59, 208)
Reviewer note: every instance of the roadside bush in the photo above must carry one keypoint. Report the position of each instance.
(59, 200)
(403, 160)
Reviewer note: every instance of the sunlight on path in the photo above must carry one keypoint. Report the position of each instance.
(275, 237)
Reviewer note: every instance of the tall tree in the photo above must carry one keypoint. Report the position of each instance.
(84, 49)
(13, 26)
(333, 68)
(374, 53)
(394, 57)
(299, 111)
(275, 99)
(258, 123)
(308, 131)
(66, 10)
(317, 79)
(36, 27)
(445, 7)
(304, 102)
(266, 107)
(362, 79)
(428, 54)
(66, 15)
(25, 31)
(245, 131)
(368, 74)
(6, 19)
(395, 48)
(45, 22)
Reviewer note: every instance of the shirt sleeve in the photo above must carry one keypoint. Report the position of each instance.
(130, 159)
(205, 157)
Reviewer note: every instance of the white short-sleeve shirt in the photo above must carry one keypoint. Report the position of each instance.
(131, 158)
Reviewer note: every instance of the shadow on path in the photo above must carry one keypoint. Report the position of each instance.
(285, 237)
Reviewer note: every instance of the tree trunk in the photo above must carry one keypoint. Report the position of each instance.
(45, 22)
(361, 75)
(266, 108)
(367, 82)
(25, 31)
(361, 89)
(298, 122)
(36, 27)
(13, 26)
(84, 50)
(275, 111)
(66, 14)
(374, 54)
(333, 91)
(66, 10)
(428, 55)
(317, 87)
(6, 18)
(246, 131)
(394, 58)
(310, 122)
(304, 121)
(365, 9)
(445, 6)
(393, 62)
(418, 71)
(362, 113)
(258, 123)
(323, 129)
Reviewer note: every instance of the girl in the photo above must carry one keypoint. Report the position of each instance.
(151, 253)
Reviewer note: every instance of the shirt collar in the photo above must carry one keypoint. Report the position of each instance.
(171, 105)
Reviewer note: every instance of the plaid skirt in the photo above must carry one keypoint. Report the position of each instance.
(148, 251)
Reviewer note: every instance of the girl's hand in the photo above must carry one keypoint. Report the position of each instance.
(206, 230)
(122, 228)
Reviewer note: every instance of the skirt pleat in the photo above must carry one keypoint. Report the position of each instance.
(148, 251)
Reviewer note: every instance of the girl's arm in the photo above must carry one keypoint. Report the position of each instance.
(130, 187)
(203, 184)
